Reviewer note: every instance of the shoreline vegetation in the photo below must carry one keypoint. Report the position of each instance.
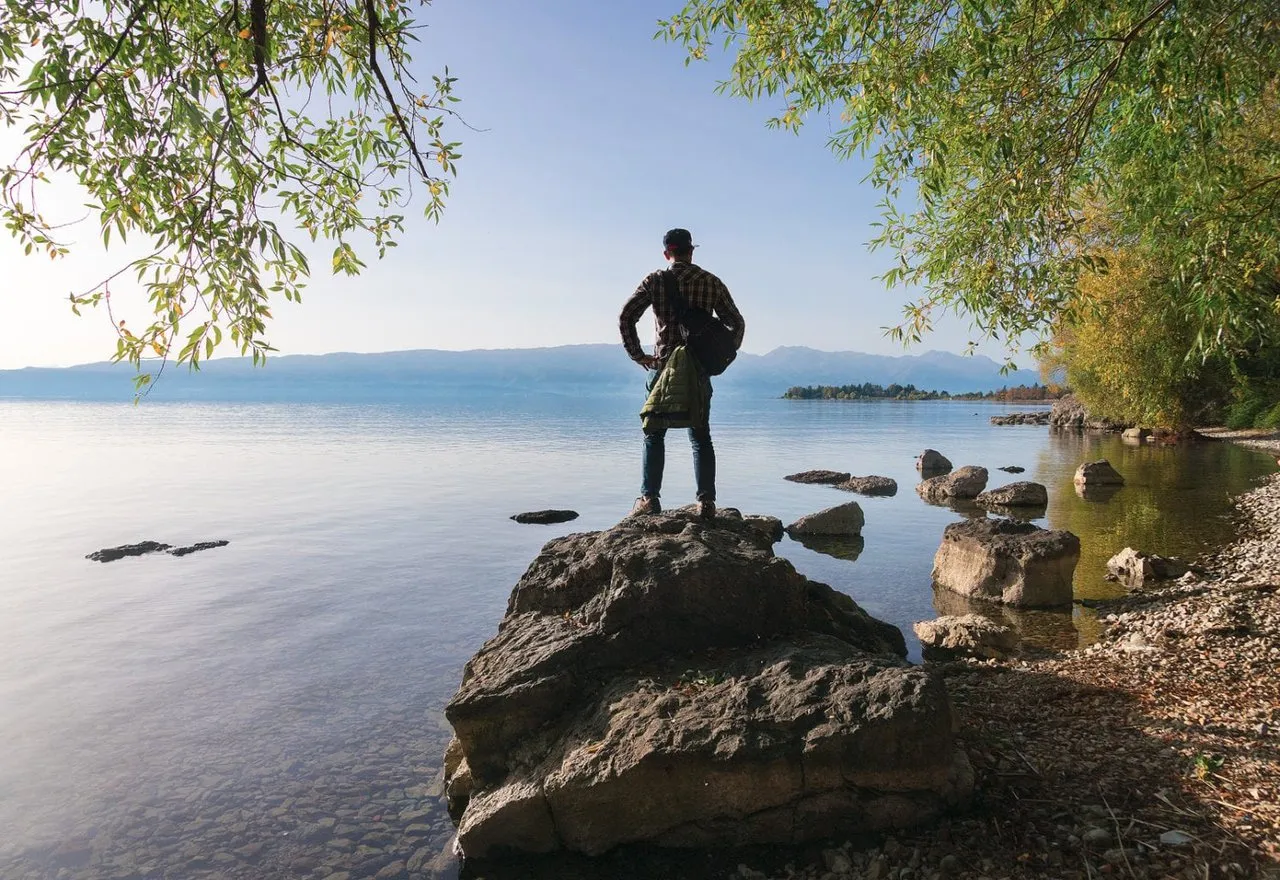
(872, 391)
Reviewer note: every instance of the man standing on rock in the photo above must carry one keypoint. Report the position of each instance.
(702, 290)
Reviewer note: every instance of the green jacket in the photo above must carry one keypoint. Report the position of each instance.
(678, 398)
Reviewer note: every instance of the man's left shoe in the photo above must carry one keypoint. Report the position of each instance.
(706, 509)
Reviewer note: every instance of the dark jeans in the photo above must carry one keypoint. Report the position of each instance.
(704, 456)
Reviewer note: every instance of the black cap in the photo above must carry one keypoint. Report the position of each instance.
(678, 239)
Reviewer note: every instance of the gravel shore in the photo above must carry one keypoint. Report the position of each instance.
(1154, 753)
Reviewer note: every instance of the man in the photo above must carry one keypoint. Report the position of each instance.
(703, 290)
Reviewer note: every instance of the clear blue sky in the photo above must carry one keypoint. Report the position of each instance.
(596, 138)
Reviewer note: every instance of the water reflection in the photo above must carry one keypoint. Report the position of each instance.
(848, 548)
(1176, 500)
(1042, 629)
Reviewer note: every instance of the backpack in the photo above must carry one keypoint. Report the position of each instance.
(705, 336)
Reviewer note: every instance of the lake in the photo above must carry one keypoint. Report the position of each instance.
(274, 707)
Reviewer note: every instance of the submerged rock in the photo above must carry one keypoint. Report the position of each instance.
(818, 477)
(842, 520)
(111, 554)
(965, 482)
(1006, 561)
(671, 681)
(872, 485)
(1021, 494)
(546, 517)
(969, 635)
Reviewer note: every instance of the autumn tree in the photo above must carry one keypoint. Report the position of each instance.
(991, 123)
(219, 137)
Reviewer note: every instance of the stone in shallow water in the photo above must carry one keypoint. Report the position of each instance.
(1006, 561)
(818, 476)
(671, 681)
(111, 554)
(1134, 568)
(932, 461)
(965, 482)
(969, 635)
(870, 485)
(1021, 494)
(1098, 473)
(843, 520)
(545, 517)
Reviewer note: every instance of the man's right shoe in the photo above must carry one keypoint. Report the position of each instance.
(646, 505)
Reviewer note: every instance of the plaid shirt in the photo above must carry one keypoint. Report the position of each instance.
(700, 289)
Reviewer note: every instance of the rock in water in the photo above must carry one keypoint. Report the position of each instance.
(1098, 473)
(1022, 494)
(931, 461)
(1134, 568)
(844, 520)
(969, 635)
(671, 681)
(1038, 417)
(818, 477)
(111, 554)
(196, 548)
(966, 482)
(546, 517)
(872, 485)
(1012, 469)
(1006, 561)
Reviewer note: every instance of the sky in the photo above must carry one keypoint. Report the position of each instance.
(593, 139)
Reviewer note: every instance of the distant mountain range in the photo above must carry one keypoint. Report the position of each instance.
(402, 375)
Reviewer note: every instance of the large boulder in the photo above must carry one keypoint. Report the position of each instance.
(1006, 561)
(872, 485)
(931, 461)
(1098, 473)
(828, 477)
(1134, 568)
(843, 520)
(968, 635)
(965, 482)
(1020, 494)
(671, 681)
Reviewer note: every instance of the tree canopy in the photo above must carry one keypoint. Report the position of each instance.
(994, 124)
(216, 135)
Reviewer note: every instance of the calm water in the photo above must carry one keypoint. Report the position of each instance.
(273, 707)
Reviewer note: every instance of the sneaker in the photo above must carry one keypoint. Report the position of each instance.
(646, 505)
(706, 509)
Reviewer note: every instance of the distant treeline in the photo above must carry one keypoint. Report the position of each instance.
(871, 391)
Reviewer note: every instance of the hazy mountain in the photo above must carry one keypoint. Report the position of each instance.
(569, 369)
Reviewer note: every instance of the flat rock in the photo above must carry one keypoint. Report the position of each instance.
(871, 485)
(841, 520)
(932, 461)
(1006, 561)
(968, 635)
(1097, 473)
(829, 477)
(1021, 494)
(1133, 568)
(671, 681)
(111, 554)
(546, 517)
(1012, 469)
(196, 548)
(965, 482)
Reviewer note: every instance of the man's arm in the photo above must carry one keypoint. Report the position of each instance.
(631, 312)
(727, 311)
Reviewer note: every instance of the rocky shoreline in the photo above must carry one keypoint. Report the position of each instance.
(1154, 753)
